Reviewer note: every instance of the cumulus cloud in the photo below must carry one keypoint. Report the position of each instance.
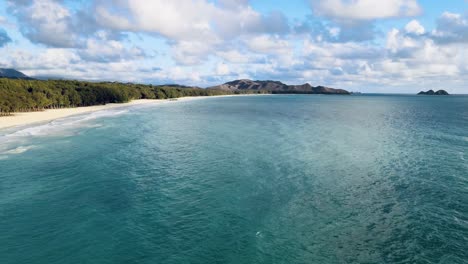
(69, 64)
(190, 52)
(53, 59)
(410, 57)
(414, 27)
(239, 55)
(45, 21)
(416, 54)
(109, 51)
(366, 9)
(206, 42)
(194, 29)
(418, 57)
(451, 28)
(356, 19)
(268, 44)
(53, 24)
(184, 20)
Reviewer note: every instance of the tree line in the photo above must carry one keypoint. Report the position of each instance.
(36, 95)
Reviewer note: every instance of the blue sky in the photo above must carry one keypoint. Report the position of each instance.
(390, 46)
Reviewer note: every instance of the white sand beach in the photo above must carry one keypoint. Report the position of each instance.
(28, 118)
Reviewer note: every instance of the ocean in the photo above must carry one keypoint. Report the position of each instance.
(246, 179)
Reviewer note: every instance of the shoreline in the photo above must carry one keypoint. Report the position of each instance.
(31, 118)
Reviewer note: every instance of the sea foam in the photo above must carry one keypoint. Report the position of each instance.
(16, 141)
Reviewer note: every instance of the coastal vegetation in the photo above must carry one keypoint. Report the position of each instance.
(20, 95)
(26, 94)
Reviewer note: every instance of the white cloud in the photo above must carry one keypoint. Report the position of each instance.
(204, 42)
(178, 19)
(102, 50)
(109, 20)
(47, 22)
(414, 27)
(235, 56)
(222, 69)
(48, 60)
(191, 52)
(67, 63)
(398, 42)
(194, 28)
(451, 28)
(419, 57)
(187, 20)
(366, 9)
(269, 44)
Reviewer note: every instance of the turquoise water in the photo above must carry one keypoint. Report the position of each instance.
(249, 179)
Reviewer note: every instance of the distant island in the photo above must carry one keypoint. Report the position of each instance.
(431, 92)
(21, 93)
(276, 87)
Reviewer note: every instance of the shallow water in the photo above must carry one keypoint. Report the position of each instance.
(250, 179)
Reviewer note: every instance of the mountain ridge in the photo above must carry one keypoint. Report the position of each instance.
(236, 86)
(13, 74)
(276, 87)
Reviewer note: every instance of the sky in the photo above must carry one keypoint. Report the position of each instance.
(389, 46)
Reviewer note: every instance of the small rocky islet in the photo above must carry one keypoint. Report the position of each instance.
(431, 92)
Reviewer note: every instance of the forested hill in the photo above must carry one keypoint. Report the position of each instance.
(23, 95)
(276, 87)
(13, 74)
(17, 95)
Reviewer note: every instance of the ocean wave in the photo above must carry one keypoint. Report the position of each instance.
(5, 152)
(17, 150)
(13, 140)
(62, 124)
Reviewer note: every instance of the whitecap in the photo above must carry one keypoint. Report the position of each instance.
(18, 150)
(63, 124)
(5, 153)
(67, 126)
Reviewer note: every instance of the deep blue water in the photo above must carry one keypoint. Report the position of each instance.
(249, 179)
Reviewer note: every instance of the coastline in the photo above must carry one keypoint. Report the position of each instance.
(30, 118)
